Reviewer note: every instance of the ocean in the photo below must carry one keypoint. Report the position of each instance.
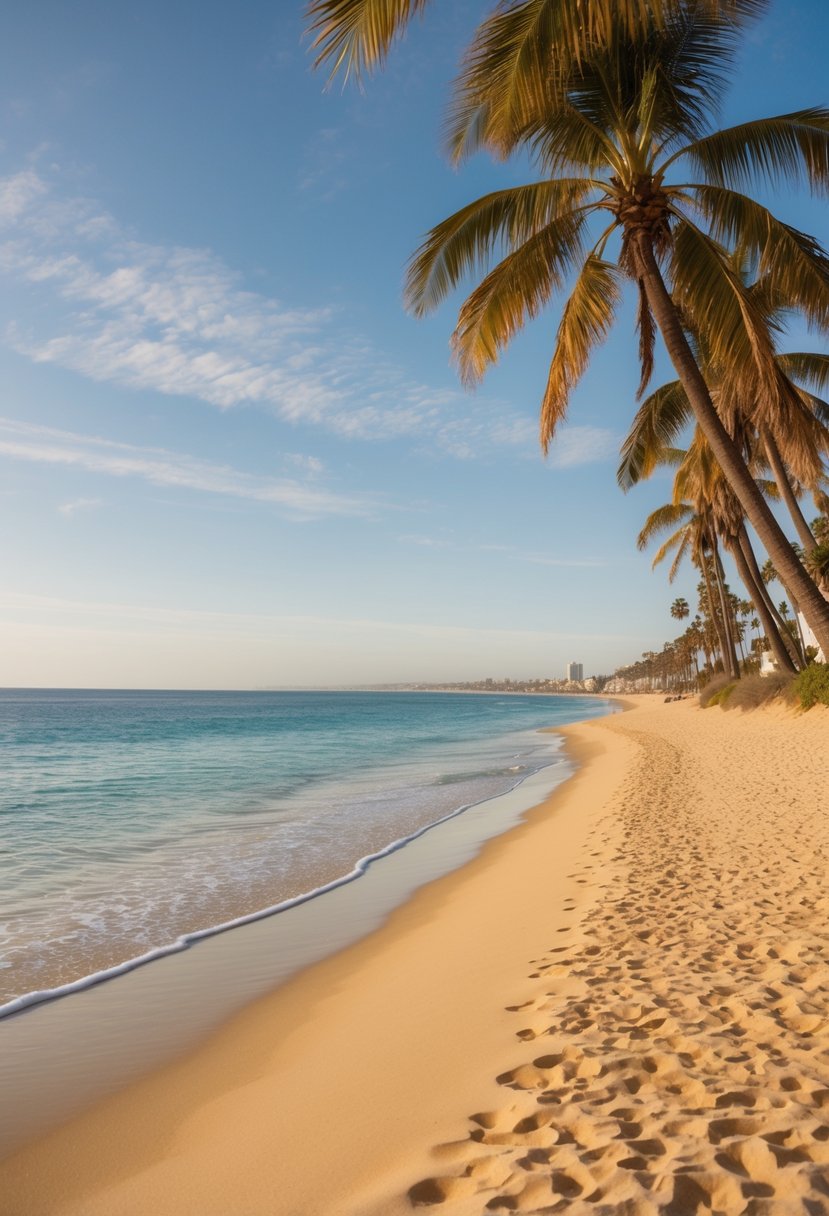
(132, 821)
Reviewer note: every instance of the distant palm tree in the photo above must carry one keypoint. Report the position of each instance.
(755, 625)
(694, 535)
(680, 609)
(609, 132)
(703, 498)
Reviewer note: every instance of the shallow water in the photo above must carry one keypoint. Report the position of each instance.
(132, 819)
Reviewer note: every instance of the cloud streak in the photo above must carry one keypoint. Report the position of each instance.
(68, 509)
(178, 321)
(47, 445)
(69, 611)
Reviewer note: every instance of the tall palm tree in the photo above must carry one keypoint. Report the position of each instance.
(611, 132)
(701, 494)
(355, 36)
(693, 535)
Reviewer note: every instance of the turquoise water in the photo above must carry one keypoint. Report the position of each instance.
(130, 819)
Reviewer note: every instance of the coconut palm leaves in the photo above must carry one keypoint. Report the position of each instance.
(680, 609)
(354, 36)
(594, 127)
(628, 120)
(789, 434)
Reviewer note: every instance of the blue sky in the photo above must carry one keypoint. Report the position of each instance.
(229, 458)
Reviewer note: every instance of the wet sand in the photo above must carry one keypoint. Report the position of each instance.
(620, 1006)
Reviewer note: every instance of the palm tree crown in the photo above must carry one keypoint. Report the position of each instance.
(355, 36)
(624, 140)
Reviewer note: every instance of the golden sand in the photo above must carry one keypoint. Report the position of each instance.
(620, 1007)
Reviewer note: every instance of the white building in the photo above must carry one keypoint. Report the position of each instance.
(809, 638)
(575, 671)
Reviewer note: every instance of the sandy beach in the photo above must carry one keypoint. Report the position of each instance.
(621, 1006)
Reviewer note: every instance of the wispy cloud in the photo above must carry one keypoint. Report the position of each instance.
(46, 445)
(79, 504)
(71, 610)
(578, 445)
(542, 559)
(178, 321)
(508, 551)
(310, 465)
(425, 542)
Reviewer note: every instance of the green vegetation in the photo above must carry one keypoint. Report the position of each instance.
(753, 691)
(716, 691)
(812, 685)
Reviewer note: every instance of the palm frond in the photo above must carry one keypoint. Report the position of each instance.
(820, 410)
(782, 150)
(807, 368)
(523, 55)
(655, 66)
(717, 303)
(585, 322)
(671, 458)
(502, 70)
(698, 477)
(354, 36)
(646, 327)
(467, 240)
(685, 544)
(668, 516)
(659, 420)
(790, 263)
(513, 292)
(679, 70)
(564, 139)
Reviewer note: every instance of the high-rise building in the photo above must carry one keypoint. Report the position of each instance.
(575, 671)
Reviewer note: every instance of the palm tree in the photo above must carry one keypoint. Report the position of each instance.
(791, 432)
(354, 36)
(702, 495)
(680, 609)
(694, 536)
(610, 131)
(798, 427)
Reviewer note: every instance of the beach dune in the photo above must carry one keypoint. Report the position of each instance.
(621, 1006)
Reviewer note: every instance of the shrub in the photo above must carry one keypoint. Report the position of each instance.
(812, 685)
(710, 694)
(721, 696)
(759, 690)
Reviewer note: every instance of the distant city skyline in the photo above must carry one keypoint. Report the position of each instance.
(229, 458)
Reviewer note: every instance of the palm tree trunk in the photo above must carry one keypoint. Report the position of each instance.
(814, 607)
(800, 641)
(725, 607)
(771, 607)
(758, 599)
(781, 477)
(715, 620)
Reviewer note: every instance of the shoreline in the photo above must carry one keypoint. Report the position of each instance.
(323, 872)
(135, 1110)
(63, 1053)
(623, 999)
(29, 1000)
